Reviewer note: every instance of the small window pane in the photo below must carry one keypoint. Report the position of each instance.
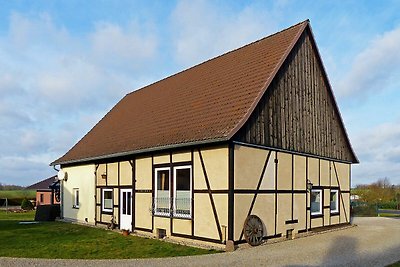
(129, 199)
(183, 179)
(124, 203)
(316, 202)
(334, 201)
(76, 198)
(163, 180)
(162, 202)
(107, 200)
(182, 192)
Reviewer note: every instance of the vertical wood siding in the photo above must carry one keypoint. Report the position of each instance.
(298, 112)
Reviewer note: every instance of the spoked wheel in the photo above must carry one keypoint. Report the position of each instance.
(253, 230)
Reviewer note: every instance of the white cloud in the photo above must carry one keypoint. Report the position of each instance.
(37, 35)
(378, 150)
(111, 44)
(24, 170)
(375, 68)
(202, 30)
(9, 86)
(54, 86)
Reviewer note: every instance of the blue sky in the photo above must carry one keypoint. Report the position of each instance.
(64, 64)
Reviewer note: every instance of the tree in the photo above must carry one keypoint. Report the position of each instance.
(382, 191)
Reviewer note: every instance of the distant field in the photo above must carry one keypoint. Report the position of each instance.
(15, 197)
(17, 194)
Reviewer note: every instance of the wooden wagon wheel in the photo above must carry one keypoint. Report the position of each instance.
(253, 230)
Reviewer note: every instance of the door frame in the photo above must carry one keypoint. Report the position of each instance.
(121, 199)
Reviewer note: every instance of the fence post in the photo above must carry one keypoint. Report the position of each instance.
(377, 209)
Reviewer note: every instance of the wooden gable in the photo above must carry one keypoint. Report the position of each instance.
(298, 111)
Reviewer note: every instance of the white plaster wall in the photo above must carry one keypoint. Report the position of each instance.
(81, 177)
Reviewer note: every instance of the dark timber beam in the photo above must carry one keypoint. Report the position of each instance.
(231, 194)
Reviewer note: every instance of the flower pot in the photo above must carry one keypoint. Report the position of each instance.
(125, 232)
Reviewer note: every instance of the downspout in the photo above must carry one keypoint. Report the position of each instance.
(61, 194)
(54, 167)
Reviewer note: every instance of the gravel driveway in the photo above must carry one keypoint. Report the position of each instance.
(374, 242)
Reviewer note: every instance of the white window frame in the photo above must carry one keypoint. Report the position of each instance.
(337, 201)
(190, 194)
(320, 202)
(156, 189)
(102, 199)
(76, 198)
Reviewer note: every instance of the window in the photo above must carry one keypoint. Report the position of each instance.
(173, 191)
(41, 198)
(334, 201)
(107, 200)
(316, 203)
(182, 191)
(162, 202)
(76, 198)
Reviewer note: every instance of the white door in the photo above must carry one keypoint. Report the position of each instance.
(126, 209)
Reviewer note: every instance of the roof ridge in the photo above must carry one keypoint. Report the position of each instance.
(216, 57)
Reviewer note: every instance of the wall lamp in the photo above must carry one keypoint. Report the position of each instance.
(309, 185)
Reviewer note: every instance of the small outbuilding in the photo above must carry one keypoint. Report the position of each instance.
(47, 191)
(247, 146)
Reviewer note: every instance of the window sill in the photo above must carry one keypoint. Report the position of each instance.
(172, 217)
(182, 218)
(161, 215)
(335, 213)
(75, 207)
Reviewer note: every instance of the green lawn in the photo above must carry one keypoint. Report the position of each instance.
(388, 215)
(67, 241)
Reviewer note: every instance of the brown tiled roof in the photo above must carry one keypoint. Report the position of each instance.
(206, 103)
(44, 184)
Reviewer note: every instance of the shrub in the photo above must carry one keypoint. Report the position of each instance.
(388, 205)
(363, 210)
(26, 204)
(15, 201)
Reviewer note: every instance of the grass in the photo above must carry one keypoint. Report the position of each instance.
(70, 241)
(396, 264)
(388, 215)
(13, 216)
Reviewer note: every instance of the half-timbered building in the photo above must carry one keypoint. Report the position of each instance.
(249, 145)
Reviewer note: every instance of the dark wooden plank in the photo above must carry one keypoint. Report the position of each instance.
(298, 113)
